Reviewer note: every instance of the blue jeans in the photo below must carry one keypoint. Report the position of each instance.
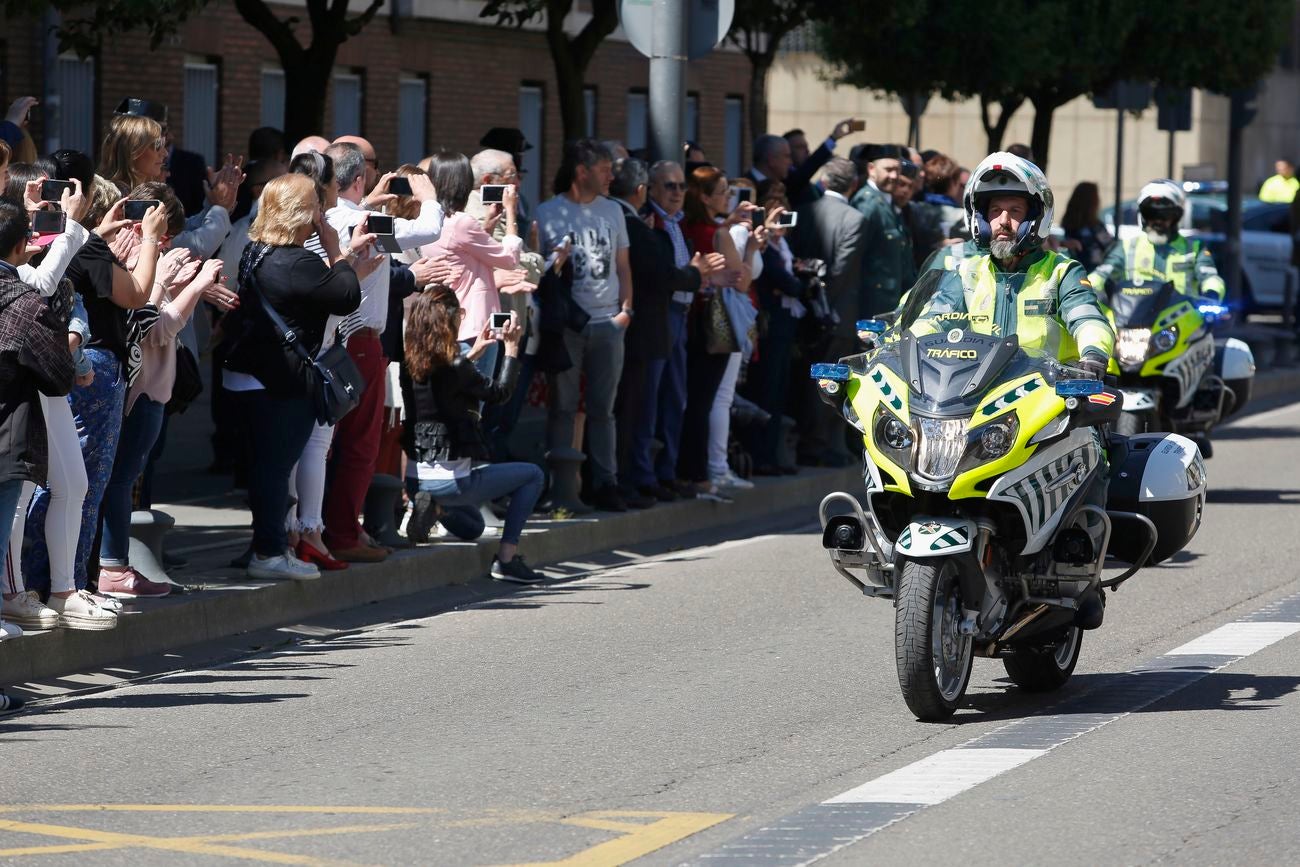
(279, 431)
(665, 407)
(139, 433)
(97, 411)
(10, 491)
(522, 482)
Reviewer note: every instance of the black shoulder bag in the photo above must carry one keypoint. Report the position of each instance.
(333, 381)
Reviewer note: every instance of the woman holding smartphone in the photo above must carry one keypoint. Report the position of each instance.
(442, 433)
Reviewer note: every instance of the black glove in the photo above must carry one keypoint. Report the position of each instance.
(1094, 366)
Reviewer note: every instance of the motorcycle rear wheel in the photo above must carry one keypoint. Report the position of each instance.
(934, 659)
(1044, 669)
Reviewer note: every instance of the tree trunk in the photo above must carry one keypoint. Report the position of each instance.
(1042, 135)
(760, 63)
(306, 83)
(997, 130)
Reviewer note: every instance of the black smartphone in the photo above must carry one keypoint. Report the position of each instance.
(49, 222)
(742, 194)
(493, 194)
(400, 186)
(134, 209)
(788, 220)
(379, 224)
(52, 191)
(759, 216)
(499, 322)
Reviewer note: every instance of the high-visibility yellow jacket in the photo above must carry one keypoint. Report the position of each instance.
(1184, 262)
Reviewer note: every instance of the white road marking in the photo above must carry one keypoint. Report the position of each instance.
(1237, 639)
(937, 778)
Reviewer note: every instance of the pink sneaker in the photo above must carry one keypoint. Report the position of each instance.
(130, 584)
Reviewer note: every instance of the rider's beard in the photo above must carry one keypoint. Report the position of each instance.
(1003, 248)
(1157, 237)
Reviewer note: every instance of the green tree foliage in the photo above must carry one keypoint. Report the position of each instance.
(84, 26)
(570, 54)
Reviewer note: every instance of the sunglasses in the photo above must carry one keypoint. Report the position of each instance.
(675, 186)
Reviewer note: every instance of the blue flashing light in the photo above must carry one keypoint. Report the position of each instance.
(833, 372)
(1212, 311)
(1078, 387)
(879, 326)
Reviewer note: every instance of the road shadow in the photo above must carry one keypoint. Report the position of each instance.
(1252, 496)
(1257, 433)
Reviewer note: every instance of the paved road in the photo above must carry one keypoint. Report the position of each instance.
(698, 709)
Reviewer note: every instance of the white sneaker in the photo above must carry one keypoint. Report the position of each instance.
(108, 603)
(81, 611)
(302, 564)
(283, 566)
(9, 630)
(730, 480)
(26, 609)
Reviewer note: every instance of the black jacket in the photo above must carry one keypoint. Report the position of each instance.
(186, 174)
(34, 358)
(655, 277)
(443, 422)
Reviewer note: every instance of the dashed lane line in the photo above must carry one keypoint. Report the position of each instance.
(815, 832)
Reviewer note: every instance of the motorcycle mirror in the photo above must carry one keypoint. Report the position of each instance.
(1079, 387)
(833, 372)
(877, 326)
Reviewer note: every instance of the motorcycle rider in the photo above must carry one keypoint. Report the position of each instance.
(1161, 252)
(1014, 286)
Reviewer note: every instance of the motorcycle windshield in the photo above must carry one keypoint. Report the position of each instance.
(1139, 305)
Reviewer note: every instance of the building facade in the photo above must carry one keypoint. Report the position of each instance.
(424, 75)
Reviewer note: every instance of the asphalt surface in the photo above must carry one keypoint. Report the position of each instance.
(667, 709)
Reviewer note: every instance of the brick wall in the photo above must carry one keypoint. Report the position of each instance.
(474, 73)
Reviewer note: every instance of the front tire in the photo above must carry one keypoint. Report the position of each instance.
(934, 659)
(1134, 423)
(1043, 669)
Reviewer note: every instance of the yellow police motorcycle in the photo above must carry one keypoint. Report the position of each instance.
(979, 458)
(1173, 375)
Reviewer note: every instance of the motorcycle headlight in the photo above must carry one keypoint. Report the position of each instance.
(1132, 345)
(997, 438)
(1163, 341)
(892, 435)
(942, 442)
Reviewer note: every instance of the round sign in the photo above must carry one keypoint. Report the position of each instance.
(708, 22)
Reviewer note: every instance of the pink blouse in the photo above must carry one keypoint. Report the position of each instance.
(464, 241)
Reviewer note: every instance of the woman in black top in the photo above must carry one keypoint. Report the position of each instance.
(1085, 234)
(443, 434)
(266, 374)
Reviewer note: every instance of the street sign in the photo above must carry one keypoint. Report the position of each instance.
(1125, 96)
(1174, 109)
(708, 23)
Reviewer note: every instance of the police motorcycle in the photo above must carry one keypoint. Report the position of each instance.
(1174, 375)
(979, 457)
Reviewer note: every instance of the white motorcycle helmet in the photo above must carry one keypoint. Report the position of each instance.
(1161, 199)
(1002, 172)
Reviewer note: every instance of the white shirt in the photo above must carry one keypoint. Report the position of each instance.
(834, 195)
(232, 249)
(58, 255)
(424, 229)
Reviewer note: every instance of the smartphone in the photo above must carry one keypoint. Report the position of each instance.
(788, 220)
(49, 222)
(381, 225)
(493, 194)
(499, 322)
(400, 186)
(52, 191)
(134, 209)
(759, 216)
(857, 125)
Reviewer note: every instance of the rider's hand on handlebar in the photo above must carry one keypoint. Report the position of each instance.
(1094, 366)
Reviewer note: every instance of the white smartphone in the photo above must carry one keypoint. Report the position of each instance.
(788, 220)
(499, 323)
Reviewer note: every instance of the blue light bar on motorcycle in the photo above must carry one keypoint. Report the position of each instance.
(1078, 387)
(834, 372)
(1212, 310)
(875, 325)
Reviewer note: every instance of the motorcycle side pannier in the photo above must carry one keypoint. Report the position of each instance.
(1163, 479)
(1234, 363)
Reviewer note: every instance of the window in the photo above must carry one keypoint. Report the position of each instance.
(412, 100)
(638, 120)
(347, 103)
(734, 141)
(273, 98)
(589, 104)
(201, 110)
(72, 102)
(692, 130)
(532, 104)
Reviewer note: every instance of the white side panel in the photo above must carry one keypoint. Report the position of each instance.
(1238, 361)
(1174, 471)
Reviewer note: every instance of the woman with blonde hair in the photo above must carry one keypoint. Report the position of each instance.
(133, 152)
(304, 291)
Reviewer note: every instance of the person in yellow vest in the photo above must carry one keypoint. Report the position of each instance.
(1160, 252)
(1283, 186)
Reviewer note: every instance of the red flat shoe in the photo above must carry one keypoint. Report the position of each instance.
(309, 553)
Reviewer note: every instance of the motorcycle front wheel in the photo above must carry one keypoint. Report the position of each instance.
(1134, 423)
(934, 659)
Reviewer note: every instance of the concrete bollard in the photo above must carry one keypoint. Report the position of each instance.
(565, 464)
(148, 527)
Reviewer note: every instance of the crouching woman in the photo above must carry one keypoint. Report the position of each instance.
(443, 433)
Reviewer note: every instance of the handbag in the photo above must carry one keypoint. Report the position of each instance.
(332, 381)
(719, 336)
(189, 381)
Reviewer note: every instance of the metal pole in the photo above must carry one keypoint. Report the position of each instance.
(1171, 157)
(1119, 169)
(1236, 124)
(668, 79)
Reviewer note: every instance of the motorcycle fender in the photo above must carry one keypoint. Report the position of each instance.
(935, 537)
(1139, 399)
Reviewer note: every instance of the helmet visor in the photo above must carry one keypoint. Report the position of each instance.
(1161, 210)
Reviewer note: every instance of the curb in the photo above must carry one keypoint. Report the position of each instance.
(233, 605)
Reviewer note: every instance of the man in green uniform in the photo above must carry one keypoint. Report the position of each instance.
(1160, 253)
(887, 266)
